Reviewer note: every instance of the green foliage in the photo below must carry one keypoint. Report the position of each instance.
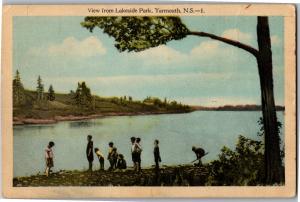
(83, 96)
(51, 93)
(242, 166)
(18, 91)
(40, 89)
(138, 33)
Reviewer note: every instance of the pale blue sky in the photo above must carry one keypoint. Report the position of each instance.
(194, 70)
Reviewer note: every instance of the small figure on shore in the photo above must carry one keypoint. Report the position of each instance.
(199, 154)
(121, 162)
(100, 158)
(115, 157)
(133, 153)
(139, 152)
(49, 158)
(112, 155)
(89, 152)
(156, 152)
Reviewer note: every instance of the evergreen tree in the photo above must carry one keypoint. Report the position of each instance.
(40, 89)
(18, 90)
(86, 95)
(51, 93)
(83, 96)
(77, 96)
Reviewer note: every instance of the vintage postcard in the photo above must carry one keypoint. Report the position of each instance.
(110, 101)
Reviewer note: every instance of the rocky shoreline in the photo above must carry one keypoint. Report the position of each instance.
(25, 121)
(186, 175)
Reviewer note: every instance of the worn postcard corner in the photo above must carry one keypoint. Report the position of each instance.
(149, 100)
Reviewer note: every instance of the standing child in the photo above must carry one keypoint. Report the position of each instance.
(89, 152)
(133, 152)
(115, 157)
(139, 150)
(49, 158)
(156, 152)
(100, 158)
(110, 155)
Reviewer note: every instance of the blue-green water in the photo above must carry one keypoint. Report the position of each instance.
(177, 134)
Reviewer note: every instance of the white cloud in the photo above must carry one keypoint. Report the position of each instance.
(275, 40)
(206, 50)
(236, 34)
(127, 79)
(70, 46)
(159, 55)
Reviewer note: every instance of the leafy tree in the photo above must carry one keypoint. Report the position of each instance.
(130, 98)
(140, 33)
(77, 95)
(18, 90)
(40, 89)
(83, 96)
(86, 94)
(51, 93)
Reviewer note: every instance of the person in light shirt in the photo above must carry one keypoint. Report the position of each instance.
(49, 158)
(100, 157)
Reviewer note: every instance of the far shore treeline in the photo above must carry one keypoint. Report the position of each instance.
(47, 104)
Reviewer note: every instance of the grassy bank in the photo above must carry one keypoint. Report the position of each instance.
(186, 175)
(64, 108)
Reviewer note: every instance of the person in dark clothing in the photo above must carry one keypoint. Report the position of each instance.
(199, 154)
(121, 162)
(110, 157)
(114, 157)
(133, 152)
(156, 152)
(89, 152)
(100, 158)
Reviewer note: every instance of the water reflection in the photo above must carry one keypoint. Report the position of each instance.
(82, 124)
(33, 126)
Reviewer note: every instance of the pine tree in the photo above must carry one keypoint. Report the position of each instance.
(40, 89)
(77, 96)
(18, 90)
(83, 96)
(51, 93)
(86, 95)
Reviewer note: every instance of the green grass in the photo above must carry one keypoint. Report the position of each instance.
(64, 105)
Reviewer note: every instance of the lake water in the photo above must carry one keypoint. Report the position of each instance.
(177, 134)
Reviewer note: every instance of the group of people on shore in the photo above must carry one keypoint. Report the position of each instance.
(117, 160)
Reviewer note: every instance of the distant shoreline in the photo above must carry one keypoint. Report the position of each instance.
(234, 108)
(28, 121)
(56, 119)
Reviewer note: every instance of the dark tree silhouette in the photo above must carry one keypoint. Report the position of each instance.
(40, 89)
(140, 33)
(51, 93)
(18, 90)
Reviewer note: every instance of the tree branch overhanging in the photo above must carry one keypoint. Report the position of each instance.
(237, 44)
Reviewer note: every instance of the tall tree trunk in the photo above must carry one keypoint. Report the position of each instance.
(272, 141)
